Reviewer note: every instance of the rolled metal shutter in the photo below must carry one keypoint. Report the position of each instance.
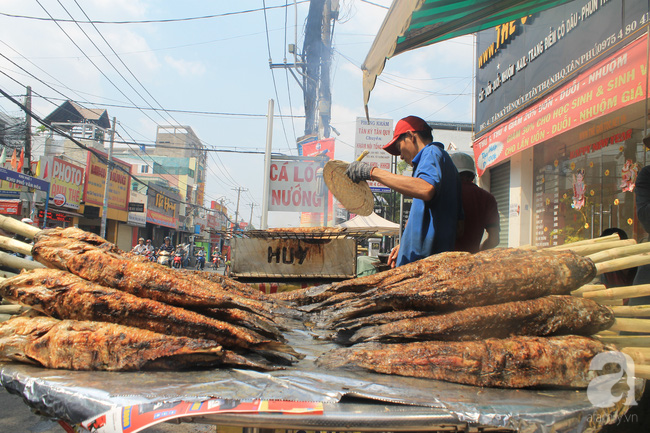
(500, 189)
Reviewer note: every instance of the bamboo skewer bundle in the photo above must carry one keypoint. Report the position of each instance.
(573, 245)
(620, 252)
(640, 355)
(588, 250)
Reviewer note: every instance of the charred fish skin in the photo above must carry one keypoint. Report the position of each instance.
(94, 346)
(66, 296)
(517, 362)
(550, 315)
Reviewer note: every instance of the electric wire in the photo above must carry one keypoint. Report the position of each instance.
(168, 20)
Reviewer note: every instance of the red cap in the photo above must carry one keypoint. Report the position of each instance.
(410, 123)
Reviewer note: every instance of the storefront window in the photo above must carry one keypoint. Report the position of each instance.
(584, 182)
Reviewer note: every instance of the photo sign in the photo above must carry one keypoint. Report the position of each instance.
(373, 135)
(294, 186)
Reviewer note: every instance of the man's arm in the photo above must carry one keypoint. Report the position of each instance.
(409, 186)
(492, 239)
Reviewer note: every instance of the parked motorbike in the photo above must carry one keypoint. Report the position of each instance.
(164, 258)
(178, 261)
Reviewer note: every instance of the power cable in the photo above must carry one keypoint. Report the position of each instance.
(168, 20)
(275, 87)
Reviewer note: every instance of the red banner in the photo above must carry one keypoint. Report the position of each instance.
(610, 85)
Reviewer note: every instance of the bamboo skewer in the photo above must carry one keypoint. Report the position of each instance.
(17, 262)
(632, 311)
(18, 227)
(622, 263)
(588, 288)
(15, 245)
(640, 355)
(623, 292)
(619, 252)
(598, 247)
(642, 371)
(621, 341)
(612, 237)
(631, 325)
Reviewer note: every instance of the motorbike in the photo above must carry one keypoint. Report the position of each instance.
(215, 261)
(151, 256)
(164, 258)
(200, 262)
(178, 261)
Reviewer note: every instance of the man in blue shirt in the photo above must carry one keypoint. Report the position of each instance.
(434, 186)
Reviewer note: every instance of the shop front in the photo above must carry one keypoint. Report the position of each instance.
(565, 112)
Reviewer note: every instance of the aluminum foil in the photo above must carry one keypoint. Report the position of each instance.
(353, 398)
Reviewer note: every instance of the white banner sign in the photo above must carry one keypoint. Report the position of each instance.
(294, 187)
(373, 135)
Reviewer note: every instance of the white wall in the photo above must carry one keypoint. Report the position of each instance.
(521, 199)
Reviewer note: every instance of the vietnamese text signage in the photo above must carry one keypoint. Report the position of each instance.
(610, 85)
(294, 186)
(373, 135)
(522, 61)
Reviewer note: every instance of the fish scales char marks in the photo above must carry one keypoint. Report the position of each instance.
(228, 284)
(84, 345)
(146, 279)
(486, 278)
(517, 362)
(66, 296)
(551, 315)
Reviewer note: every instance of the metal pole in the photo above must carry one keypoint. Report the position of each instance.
(108, 177)
(267, 168)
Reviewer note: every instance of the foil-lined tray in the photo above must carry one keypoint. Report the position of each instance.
(354, 399)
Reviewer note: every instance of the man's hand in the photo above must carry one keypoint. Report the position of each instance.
(392, 257)
(358, 171)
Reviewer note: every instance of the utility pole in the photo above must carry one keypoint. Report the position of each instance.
(108, 178)
(28, 131)
(250, 220)
(239, 190)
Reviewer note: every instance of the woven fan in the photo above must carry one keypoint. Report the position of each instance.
(355, 197)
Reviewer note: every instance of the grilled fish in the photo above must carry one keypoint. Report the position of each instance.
(65, 296)
(380, 280)
(84, 345)
(550, 315)
(516, 362)
(486, 278)
(103, 263)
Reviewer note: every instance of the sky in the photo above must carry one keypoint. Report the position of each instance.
(213, 74)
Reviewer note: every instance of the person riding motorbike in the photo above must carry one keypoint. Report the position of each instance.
(165, 252)
(179, 256)
(200, 259)
(140, 248)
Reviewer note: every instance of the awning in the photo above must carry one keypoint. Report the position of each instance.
(411, 24)
(372, 222)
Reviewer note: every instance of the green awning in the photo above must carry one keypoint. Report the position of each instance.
(411, 24)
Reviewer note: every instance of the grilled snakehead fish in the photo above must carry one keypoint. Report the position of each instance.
(486, 278)
(83, 345)
(550, 315)
(63, 295)
(516, 362)
(94, 259)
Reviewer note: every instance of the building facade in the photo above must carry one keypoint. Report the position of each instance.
(561, 110)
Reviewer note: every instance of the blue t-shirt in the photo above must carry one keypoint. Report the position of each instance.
(431, 226)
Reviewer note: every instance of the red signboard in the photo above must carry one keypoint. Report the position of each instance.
(610, 85)
(10, 207)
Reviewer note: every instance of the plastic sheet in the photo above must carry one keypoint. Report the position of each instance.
(77, 396)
